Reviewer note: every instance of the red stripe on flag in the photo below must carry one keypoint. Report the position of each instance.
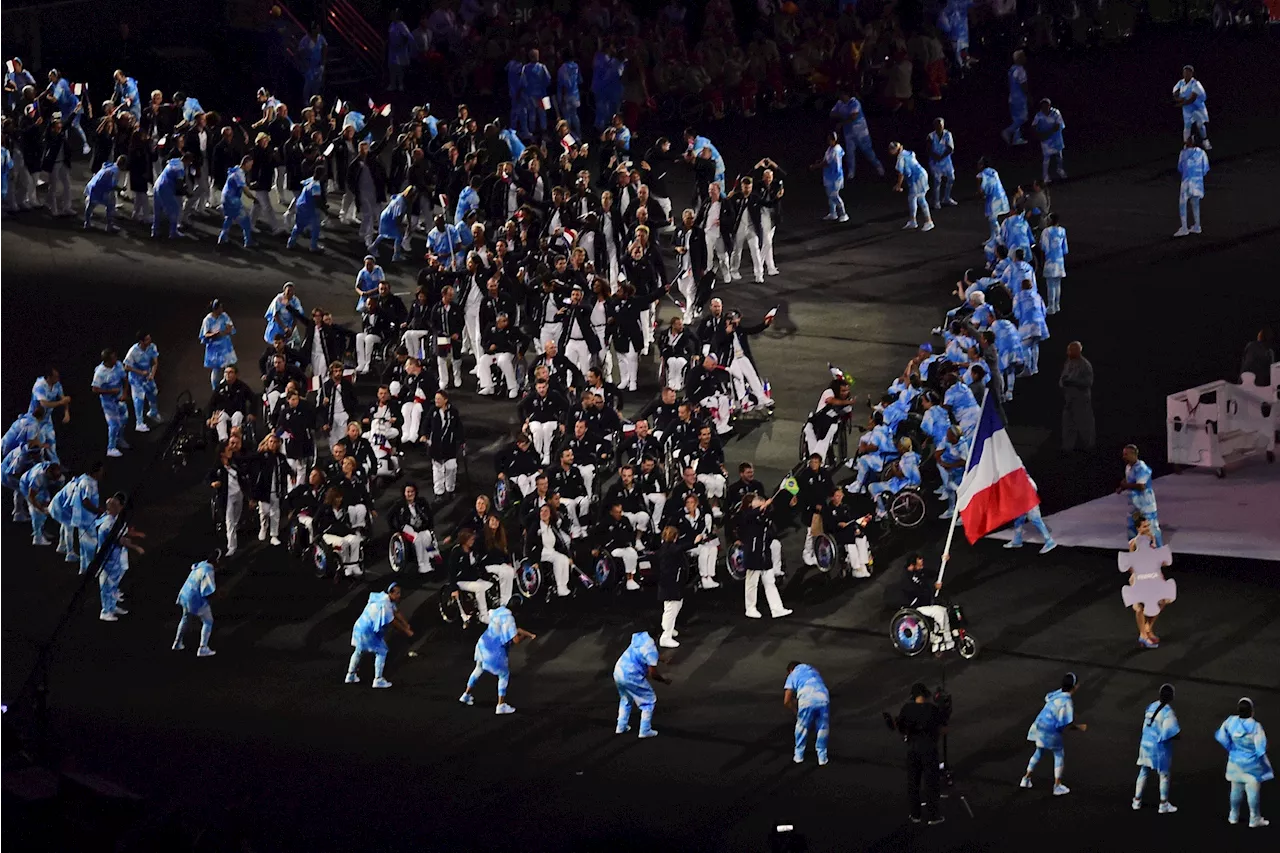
(998, 504)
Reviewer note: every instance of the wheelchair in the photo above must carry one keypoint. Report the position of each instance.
(401, 553)
(735, 565)
(838, 450)
(464, 610)
(907, 508)
(535, 581)
(299, 537)
(327, 559)
(912, 632)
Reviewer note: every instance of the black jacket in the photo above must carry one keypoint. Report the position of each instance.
(399, 517)
(673, 571)
(236, 397)
(443, 428)
(329, 393)
(270, 476)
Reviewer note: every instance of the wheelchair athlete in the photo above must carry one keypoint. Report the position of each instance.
(900, 474)
(412, 516)
(616, 536)
(875, 448)
(333, 527)
(466, 574)
(382, 431)
(914, 592)
(305, 502)
(840, 522)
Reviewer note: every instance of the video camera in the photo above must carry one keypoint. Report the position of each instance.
(185, 440)
(940, 698)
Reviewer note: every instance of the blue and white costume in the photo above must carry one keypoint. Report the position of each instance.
(915, 181)
(606, 86)
(114, 408)
(39, 480)
(952, 452)
(700, 142)
(1195, 113)
(1011, 354)
(491, 653)
(126, 95)
(389, 227)
(941, 167)
(994, 201)
(468, 202)
(909, 466)
(67, 508)
(1046, 732)
(101, 190)
(307, 208)
(813, 710)
(1028, 309)
(1049, 128)
(311, 53)
(631, 677)
(143, 388)
(953, 21)
(26, 429)
(165, 195)
(1193, 165)
(1155, 749)
(963, 406)
(218, 351)
(833, 182)
(1015, 233)
(282, 317)
(514, 144)
(856, 135)
(1142, 500)
(1053, 243)
(367, 281)
(233, 212)
(443, 245)
(1017, 104)
(15, 464)
(534, 80)
(568, 99)
(880, 440)
(368, 635)
(193, 598)
(1248, 767)
(519, 114)
(114, 564)
(1037, 521)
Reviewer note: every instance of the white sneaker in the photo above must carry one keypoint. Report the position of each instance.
(946, 514)
(861, 573)
(1048, 546)
(114, 454)
(1060, 789)
(1025, 783)
(205, 652)
(950, 202)
(351, 678)
(810, 560)
(754, 614)
(1181, 232)
(467, 699)
(830, 217)
(1136, 804)
(710, 583)
(1206, 146)
(178, 645)
(632, 585)
(1167, 808)
(1233, 818)
(107, 617)
(1012, 544)
(668, 643)
(648, 734)
(262, 536)
(822, 760)
(40, 540)
(275, 541)
(621, 730)
(928, 226)
(381, 683)
(844, 217)
(142, 428)
(120, 611)
(1195, 229)
(910, 226)
(562, 593)
(783, 612)
(504, 708)
(797, 759)
(1258, 822)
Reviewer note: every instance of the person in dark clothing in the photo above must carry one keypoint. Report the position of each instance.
(465, 567)
(1258, 357)
(913, 587)
(673, 574)
(921, 723)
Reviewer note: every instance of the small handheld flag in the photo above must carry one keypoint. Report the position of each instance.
(328, 151)
(8, 65)
(773, 312)
(372, 106)
(568, 141)
(77, 89)
(790, 485)
(546, 103)
(385, 111)
(338, 107)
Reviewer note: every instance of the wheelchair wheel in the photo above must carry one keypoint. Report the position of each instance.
(735, 562)
(492, 596)
(907, 509)
(218, 510)
(325, 561)
(826, 552)
(529, 580)
(398, 551)
(449, 608)
(968, 647)
(605, 571)
(299, 539)
(501, 496)
(909, 630)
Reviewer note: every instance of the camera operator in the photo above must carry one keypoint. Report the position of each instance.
(921, 723)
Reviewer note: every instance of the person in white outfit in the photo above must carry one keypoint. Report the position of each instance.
(697, 532)
(746, 208)
(709, 216)
(413, 394)
(552, 543)
(769, 191)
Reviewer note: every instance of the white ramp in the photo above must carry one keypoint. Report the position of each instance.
(1237, 516)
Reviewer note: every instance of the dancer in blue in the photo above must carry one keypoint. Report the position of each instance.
(75, 508)
(283, 315)
(37, 487)
(390, 224)
(902, 473)
(108, 384)
(491, 656)
(568, 99)
(1053, 243)
(369, 633)
(16, 463)
(233, 191)
(1048, 125)
(912, 178)
(637, 666)
(142, 362)
(114, 553)
(215, 333)
(367, 280)
(832, 166)
(1142, 498)
(1028, 310)
(1018, 99)
(1193, 165)
(1155, 750)
(941, 146)
(309, 210)
(851, 122)
(1057, 716)
(697, 143)
(102, 190)
(165, 195)
(806, 694)
(46, 393)
(952, 456)
(1189, 94)
(1248, 767)
(125, 95)
(193, 598)
(994, 201)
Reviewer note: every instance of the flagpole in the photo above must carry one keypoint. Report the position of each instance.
(955, 514)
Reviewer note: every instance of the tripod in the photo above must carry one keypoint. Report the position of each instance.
(947, 778)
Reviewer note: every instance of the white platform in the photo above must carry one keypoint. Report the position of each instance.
(1237, 516)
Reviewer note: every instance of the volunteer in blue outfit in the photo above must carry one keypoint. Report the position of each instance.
(914, 181)
(108, 384)
(309, 210)
(47, 393)
(995, 203)
(193, 598)
(941, 146)
(102, 190)
(165, 196)
(313, 52)
(75, 507)
(1155, 749)
(534, 80)
(233, 191)
(1245, 741)
(368, 635)
(851, 122)
(1048, 125)
(37, 487)
(215, 333)
(805, 693)
(1142, 498)
(568, 98)
(1018, 99)
(1193, 165)
(832, 165)
(632, 673)
(115, 557)
(390, 224)
(1053, 244)
(1057, 716)
(491, 656)
(125, 95)
(141, 363)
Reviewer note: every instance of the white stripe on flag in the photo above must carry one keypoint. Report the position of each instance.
(999, 459)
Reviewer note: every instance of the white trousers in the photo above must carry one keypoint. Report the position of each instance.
(629, 558)
(348, 547)
(670, 610)
(639, 520)
(675, 372)
(766, 242)
(414, 343)
(222, 424)
(365, 344)
(58, 192)
(262, 213)
(506, 576)
(744, 378)
(588, 473)
(714, 483)
(444, 476)
(718, 256)
(751, 590)
(628, 370)
(688, 287)
(471, 329)
(720, 408)
(411, 413)
(269, 516)
(655, 501)
(941, 635)
(578, 353)
(748, 239)
(235, 506)
(857, 554)
(506, 362)
(527, 483)
(478, 590)
(424, 547)
(559, 569)
(577, 509)
(442, 368)
(542, 434)
(359, 515)
(706, 554)
(817, 445)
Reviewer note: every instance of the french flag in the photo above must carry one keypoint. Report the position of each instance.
(995, 489)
